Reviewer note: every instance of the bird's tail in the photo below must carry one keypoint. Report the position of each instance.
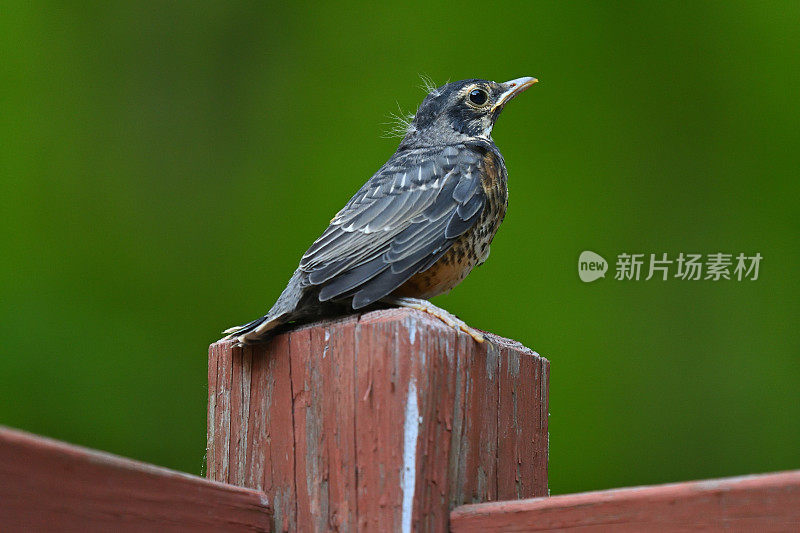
(264, 328)
(260, 329)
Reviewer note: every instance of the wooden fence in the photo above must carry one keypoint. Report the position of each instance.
(46, 485)
(762, 503)
(384, 422)
(378, 423)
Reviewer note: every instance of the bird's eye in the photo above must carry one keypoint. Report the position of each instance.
(478, 97)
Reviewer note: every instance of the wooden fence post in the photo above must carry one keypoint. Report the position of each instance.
(383, 422)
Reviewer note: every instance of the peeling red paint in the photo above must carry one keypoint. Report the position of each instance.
(316, 417)
(763, 503)
(47, 485)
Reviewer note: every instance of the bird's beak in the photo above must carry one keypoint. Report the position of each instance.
(513, 88)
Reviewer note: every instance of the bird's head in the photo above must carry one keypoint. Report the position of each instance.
(461, 110)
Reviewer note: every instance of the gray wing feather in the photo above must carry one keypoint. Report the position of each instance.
(399, 223)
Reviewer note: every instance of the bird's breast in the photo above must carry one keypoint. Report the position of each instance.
(471, 248)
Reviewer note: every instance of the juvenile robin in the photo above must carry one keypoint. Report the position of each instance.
(417, 227)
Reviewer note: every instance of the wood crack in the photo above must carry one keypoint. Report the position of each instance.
(294, 442)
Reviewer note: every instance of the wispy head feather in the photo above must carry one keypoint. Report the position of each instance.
(428, 85)
(400, 123)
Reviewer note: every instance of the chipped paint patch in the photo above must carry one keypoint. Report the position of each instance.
(327, 346)
(411, 324)
(513, 364)
(492, 359)
(409, 475)
(449, 352)
(482, 483)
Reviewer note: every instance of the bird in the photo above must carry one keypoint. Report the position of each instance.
(417, 227)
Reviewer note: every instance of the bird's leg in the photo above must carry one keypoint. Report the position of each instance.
(449, 319)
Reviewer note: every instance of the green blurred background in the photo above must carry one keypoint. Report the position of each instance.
(165, 164)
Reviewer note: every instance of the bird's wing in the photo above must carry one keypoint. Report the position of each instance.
(400, 223)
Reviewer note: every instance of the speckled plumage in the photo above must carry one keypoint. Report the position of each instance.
(418, 226)
(471, 249)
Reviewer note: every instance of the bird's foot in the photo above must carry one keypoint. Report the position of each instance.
(449, 319)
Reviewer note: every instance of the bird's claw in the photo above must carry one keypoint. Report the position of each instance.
(448, 318)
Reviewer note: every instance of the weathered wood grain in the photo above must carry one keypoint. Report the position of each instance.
(763, 503)
(379, 422)
(46, 485)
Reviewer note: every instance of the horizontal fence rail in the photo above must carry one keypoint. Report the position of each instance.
(762, 503)
(46, 485)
